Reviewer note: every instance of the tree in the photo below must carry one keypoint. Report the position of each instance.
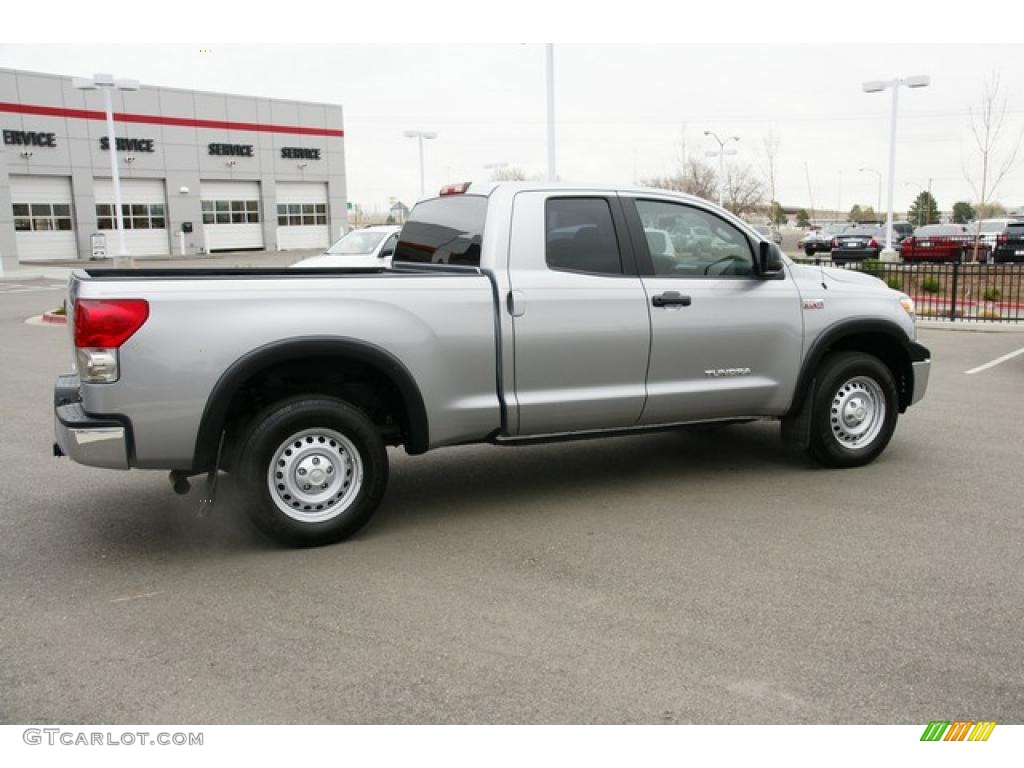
(776, 215)
(994, 161)
(924, 210)
(508, 173)
(963, 212)
(743, 191)
(865, 213)
(802, 219)
(855, 213)
(694, 177)
(990, 211)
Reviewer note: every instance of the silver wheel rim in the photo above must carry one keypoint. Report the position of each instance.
(315, 475)
(857, 412)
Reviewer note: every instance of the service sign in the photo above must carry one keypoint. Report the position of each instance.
(29, 138)
(129, 145)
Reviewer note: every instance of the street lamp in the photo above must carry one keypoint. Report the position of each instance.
(720, 154)
(879, 175)
(106, 84)
(420, 136)
(876, 86)
(549, 69)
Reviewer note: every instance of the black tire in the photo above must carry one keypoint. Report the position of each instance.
(809, 251)
(330, 433)
(847, 381)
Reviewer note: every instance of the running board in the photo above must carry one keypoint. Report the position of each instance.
(595, 434)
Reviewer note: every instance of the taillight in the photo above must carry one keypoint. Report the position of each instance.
(455, 189)
(872, 243)
(108, 323)
(835, 243)
(1002, 238)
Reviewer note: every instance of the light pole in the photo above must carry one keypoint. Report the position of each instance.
(106, 84)
(876, 86)
(721, 153)
(549, 50)
(879, 175)
(420, 136)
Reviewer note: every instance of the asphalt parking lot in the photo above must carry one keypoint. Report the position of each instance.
(672, 578)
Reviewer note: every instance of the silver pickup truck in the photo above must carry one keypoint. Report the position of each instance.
(512, 313)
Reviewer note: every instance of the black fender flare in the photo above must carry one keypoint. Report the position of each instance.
(248, 365)
(856, 327)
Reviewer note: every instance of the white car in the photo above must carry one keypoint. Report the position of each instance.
(369, 247)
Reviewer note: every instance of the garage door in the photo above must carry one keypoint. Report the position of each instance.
(144, 208)
(301, 215)
(44, 227)
(231, 215)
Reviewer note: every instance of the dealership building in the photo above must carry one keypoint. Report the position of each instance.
(200, 172)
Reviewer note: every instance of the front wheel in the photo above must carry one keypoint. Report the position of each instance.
(855, 409)
(313, 469)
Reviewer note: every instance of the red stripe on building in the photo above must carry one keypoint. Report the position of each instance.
(184, 122)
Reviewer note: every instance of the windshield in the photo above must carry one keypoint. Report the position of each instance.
(993, 226)
(357, 242)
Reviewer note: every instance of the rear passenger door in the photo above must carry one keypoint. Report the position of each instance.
(579, 314)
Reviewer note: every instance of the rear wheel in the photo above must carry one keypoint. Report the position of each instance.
(854, 412)
(314, 470)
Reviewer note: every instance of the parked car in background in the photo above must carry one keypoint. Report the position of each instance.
(857, 244)
(1009, 243)
(817, 241)
(369, 247)
(941, 242)
(990, 230)
(769, 233)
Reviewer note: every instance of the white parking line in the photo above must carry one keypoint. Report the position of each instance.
(997, 361)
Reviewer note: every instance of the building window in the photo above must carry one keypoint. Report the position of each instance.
(42, 217)
(133, 216)
(301, 214)
(231, 211)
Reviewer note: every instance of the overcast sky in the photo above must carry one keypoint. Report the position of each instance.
(621, 109)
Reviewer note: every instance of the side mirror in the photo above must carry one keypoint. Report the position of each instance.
(769, 260)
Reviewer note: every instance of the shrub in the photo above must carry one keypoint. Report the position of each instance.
(931, 285)
(872, 267)
(992, 294)
(894, 282)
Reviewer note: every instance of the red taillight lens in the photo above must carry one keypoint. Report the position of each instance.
(455, 189)
(1002, 238)
(108, 323)
(835, 243)
(873, 243)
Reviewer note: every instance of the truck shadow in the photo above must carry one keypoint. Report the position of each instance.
(499, 480)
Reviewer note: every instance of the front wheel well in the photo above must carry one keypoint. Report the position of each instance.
(886, 348)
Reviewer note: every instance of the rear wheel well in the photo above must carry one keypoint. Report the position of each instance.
(357, 382)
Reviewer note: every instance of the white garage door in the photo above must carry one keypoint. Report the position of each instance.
(44, 227)
(231, 215)
(301, 215)
(144, 208)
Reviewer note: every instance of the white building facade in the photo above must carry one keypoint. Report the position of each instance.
(200, 172)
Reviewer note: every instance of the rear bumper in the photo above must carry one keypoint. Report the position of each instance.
(853, 254)
(96, 441)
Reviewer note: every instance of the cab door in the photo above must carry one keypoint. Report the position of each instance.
(725, 343)
(579, 314)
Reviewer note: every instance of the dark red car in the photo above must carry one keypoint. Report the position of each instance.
(941, 242)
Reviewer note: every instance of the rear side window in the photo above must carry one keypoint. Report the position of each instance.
(445, 230)
(580, 236)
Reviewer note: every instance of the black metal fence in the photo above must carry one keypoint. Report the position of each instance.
(951, 291)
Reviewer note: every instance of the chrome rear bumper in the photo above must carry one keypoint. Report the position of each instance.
(96, 441)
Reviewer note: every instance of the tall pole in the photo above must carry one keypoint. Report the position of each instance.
(550, 56)
(892, 166)
(839, 197)
(115, 175)
(721, 178)
(419, 141)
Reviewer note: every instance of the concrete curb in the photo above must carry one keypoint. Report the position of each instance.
(54, 319)
(41, 320)
(970, 327)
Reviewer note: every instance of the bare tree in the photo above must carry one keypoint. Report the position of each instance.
(743, 191)
(694, 177)
(987, 126)
(508, 173)
(771, 156)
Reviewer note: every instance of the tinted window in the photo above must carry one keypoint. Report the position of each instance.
(580, 236)
(689, 242)
(445, 230)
